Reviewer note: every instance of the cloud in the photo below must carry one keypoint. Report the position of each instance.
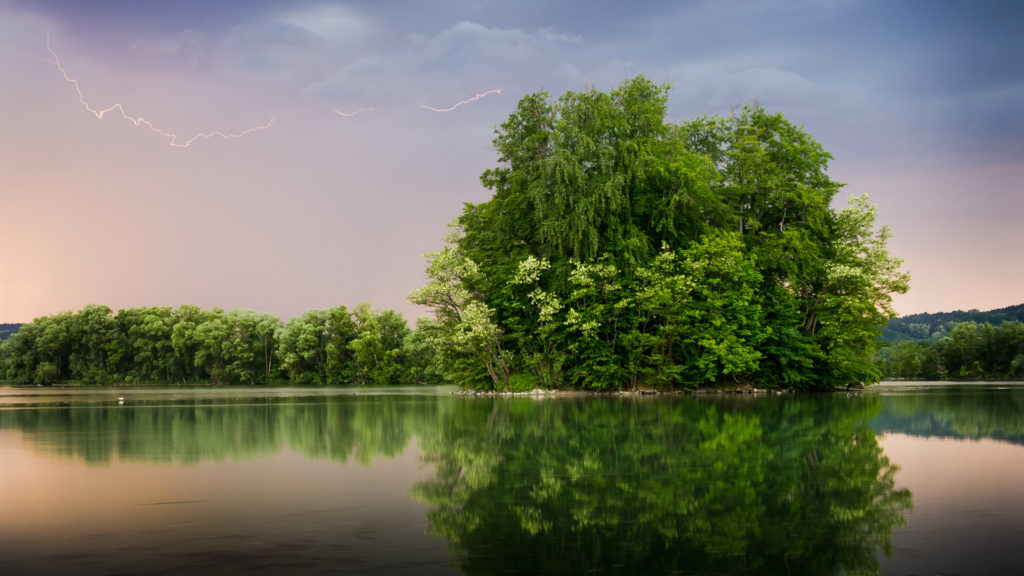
(719, 89)
(330, 22)
(270, 45)
(187, 47)
(714, 86)
(467, 46)
(466, 56)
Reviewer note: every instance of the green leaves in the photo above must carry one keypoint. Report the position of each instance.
(756, 276)
(165, 345)
(465, 338)
(855, 299)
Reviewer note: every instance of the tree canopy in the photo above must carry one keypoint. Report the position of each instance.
(968, 350)
(190, 345)
(620, 250)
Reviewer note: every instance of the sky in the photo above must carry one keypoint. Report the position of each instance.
(285, 156)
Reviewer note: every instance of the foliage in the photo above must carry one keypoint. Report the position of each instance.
(932, 326)
(968, 351)
(679, 486)
(621, 251)
(465, 339)
(187, 344)
(7, 329)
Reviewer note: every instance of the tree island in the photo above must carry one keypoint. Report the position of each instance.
(622, 251)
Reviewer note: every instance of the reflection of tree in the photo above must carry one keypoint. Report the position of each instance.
(798, 486)
(338, 428)
(960, 411)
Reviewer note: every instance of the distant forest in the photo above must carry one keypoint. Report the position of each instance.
(8, 329)
(932, 326)
(958, 345)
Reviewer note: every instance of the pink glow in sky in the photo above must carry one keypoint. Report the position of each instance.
(336, 201)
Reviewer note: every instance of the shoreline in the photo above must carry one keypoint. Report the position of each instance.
(731, 390)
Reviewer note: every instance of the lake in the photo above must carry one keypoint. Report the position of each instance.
(899, 479)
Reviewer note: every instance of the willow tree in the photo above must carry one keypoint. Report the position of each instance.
(619, 249)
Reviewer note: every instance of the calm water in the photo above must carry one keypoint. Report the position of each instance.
(904, 479)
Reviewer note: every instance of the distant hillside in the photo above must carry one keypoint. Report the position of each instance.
(929, 326)
(8, 329)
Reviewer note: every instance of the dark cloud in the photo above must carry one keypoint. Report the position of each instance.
(146, 16)
(922, 103)
(464, 57)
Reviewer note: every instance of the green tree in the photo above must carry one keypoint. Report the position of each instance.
(905, 360)
(600, 313)
(21, 357)
(93, 333)
(723, 323)
(185, 340)
(621, 250)
(463, 333)
(341, 331)
(959, 350)
(377, 348)
(249, 349)
(46, 373)
(53, 345)
(4, 355)
(302, 348)
(213, 335)
(856, 298)
(161, 344)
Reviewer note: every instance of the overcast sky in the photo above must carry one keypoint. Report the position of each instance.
(327, 173)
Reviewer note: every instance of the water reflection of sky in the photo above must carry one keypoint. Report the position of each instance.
(293, 480)
(283, 513)
(968, 515)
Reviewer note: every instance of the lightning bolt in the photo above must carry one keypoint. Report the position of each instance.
(140, 121)
(353, 113)
(461, 103)
(26, 53)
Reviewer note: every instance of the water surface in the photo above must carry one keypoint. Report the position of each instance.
(903, 479)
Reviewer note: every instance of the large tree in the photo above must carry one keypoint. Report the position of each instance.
(619, 249)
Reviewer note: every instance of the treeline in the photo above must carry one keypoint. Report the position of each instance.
(969, 351)
(932, 326)
(7, 329)
(189, 345)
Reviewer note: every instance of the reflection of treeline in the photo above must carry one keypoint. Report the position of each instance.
(969, 350)
(760, 486)
(956, 412)
(187, 344)
(339, 428)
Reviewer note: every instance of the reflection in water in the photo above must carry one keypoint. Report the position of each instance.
(191, 430)
(968, 506)
(796, 486)
(959, 446)
(191, 484)
(974, 411)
